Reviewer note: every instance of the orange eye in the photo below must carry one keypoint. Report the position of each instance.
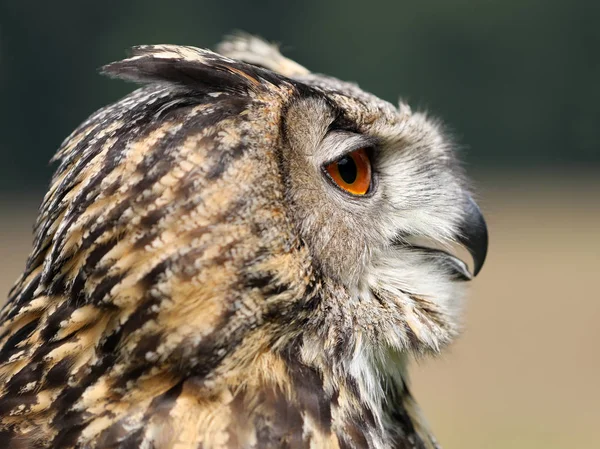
(352, 172)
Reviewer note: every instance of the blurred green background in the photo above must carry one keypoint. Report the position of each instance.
(517, 82)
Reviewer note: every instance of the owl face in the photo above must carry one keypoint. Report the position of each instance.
(382, 246)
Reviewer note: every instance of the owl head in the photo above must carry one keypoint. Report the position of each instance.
(239, 205)
(380, 201)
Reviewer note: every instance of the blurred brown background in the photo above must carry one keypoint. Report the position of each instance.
(518, 83)
(526, 372)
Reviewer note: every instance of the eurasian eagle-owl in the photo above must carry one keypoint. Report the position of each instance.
(241, 254)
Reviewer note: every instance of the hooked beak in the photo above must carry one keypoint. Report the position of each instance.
(473, 236)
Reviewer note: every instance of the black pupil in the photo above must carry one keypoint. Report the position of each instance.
(348, 169)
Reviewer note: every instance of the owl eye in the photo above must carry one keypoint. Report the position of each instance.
(352, 172)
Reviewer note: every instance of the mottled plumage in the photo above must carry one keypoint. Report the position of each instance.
(197, 282)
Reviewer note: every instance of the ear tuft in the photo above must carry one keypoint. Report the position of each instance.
(254, 50)
(195, 68)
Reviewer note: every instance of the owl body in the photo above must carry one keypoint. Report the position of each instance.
(199, 280)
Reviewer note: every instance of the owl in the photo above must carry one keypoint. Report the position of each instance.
(238, 254)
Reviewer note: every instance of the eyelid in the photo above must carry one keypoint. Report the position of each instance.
(341, 143)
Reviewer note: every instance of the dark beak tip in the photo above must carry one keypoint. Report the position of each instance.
(474, 235)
